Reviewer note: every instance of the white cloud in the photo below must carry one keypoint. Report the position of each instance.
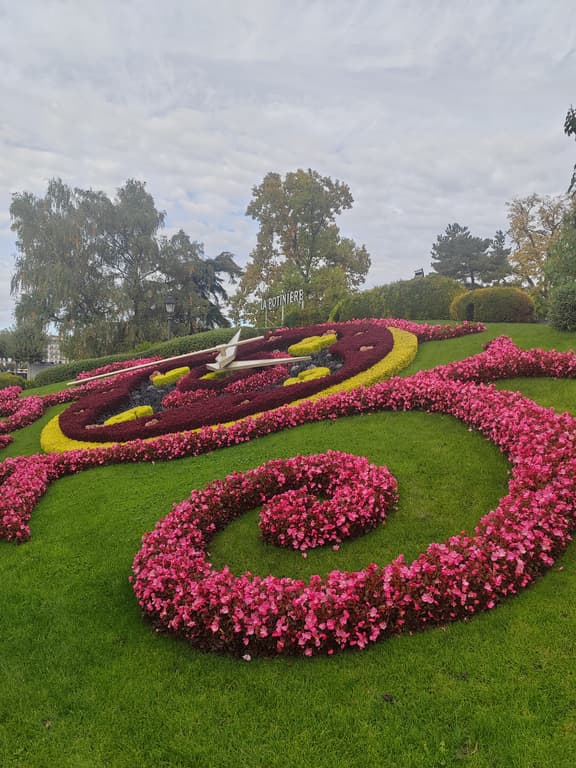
(432, 112)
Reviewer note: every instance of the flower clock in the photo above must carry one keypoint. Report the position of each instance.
(199, 397)
(310, 501)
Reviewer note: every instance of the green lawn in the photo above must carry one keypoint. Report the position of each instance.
(84, 681)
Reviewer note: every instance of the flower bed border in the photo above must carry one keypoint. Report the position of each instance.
(509, 548)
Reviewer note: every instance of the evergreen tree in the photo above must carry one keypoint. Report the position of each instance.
(459, 255)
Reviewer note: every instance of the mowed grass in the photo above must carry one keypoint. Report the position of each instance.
(84, 681)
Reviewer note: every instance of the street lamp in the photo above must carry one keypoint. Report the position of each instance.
(170, 303)
(200, 318)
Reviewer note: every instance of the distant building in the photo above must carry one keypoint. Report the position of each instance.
(52, 353)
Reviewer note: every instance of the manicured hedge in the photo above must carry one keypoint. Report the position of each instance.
(11, 380)
(562, 312)
(503, 304)
(423, 298)
(177, 346)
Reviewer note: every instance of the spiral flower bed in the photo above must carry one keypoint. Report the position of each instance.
(354, 497)
(216, 610)
(510, 547)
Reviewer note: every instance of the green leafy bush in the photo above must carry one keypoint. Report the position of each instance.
(297, 317)
(11, 380)
(503, 304)
(423, 298)
(562, 311)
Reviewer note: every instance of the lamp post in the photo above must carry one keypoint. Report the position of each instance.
(170, 303)
(198, 313)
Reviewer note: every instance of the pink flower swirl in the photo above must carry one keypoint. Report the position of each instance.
(354, 497)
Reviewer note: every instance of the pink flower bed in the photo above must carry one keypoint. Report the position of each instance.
(510, 547)
(24, 411)
(437, 332)
(180, 591)
(323, 499)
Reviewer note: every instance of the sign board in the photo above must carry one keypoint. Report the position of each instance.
(275, 302)
(280, 301)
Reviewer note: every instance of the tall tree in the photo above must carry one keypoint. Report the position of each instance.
(560, 266)
(26, 343)
(57, 272)
(570, 130)
(98, 270)
(196, 282)
(298, 237)
(535, 223)
(459, 255)
(130, 253)
(497, 267)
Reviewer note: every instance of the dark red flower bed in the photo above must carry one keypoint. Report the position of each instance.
(360, 345)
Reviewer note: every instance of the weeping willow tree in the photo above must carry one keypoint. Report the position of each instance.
(97, 269)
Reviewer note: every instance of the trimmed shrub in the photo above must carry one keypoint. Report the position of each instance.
(11, 380)
(422, 298)
(312, 344)
(296, 317)
(311, 374)
(170, 377)
(503, 304)
(130, 415)
(562, 312)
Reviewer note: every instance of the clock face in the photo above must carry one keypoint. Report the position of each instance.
(344, 350)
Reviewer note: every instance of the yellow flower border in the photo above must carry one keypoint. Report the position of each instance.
(53, 440)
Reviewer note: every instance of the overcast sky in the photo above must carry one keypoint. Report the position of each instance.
(432, 111)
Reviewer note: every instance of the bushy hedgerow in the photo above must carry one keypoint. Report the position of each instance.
(503, 304)
(423, 298)
(295, 317)
(11, 380)
(562, 311)
(177, 346)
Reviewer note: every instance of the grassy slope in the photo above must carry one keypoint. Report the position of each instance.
(84, 682)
